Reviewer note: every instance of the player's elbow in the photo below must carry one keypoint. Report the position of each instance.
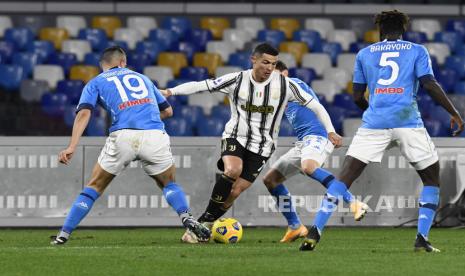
(83, 114)
(166, 113)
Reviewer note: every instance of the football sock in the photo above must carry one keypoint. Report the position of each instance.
(429, 200)
(80, 209)
(176, 198)
(335, 190)
(325, 177)
(284, 203)
(220, 193)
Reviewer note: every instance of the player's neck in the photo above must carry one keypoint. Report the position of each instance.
(392, 37)
(258, 80)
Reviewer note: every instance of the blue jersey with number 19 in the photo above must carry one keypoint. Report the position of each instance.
(391, 70)
(131, 98)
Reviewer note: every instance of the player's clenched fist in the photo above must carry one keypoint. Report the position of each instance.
(335, 139)
(66, 155)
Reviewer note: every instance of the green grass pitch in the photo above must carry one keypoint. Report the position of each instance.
(158, 251)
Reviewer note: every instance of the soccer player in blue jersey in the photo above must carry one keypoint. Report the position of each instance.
(137, 133)
(309, 154)
(392, 69)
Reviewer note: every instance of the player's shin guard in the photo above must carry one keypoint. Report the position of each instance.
(80, 209)
(335, 190)
(176, 198)
(220, 193)
(325, 177)
(285, 206)
(429, 200)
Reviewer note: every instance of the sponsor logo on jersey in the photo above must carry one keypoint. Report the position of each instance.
(266, 109)
(389, 90)
(134, 103)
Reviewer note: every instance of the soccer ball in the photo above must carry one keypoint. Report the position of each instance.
(227, 230)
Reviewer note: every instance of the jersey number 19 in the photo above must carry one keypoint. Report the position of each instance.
(139, 91)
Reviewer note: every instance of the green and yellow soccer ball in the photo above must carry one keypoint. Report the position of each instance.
(227, 230)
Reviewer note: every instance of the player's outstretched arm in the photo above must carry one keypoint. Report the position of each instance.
(187, 88)
(437, 93)
(80, 124)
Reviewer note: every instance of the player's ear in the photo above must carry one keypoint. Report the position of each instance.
(253, 59)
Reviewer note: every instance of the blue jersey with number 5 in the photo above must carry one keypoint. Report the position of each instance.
(391, 70)
(131, 98)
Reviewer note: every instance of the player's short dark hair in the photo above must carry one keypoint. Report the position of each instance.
(265, 48)
(392, 22)
(281, 66)
(111, 52)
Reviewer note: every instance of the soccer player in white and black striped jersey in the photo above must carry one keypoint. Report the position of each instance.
(258, 98)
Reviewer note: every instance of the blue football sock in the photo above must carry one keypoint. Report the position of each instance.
(80, 209)
(287, 209)
(176, 198)
(336, 189)
(429, 200)
(325, 177)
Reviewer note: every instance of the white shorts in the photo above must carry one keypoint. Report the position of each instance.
(151, 147)
(312, 147)
(415, 145)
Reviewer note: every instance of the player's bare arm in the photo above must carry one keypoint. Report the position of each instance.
(359, 95)
(80, 124)
(166, 113)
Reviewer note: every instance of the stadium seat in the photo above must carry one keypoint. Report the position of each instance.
(317, 61)
(216, 25)
(151, 48)
(27, 61)
(130, 36)
(359, 25)
(343, 37)
(307, 75)
(297, 49)
(223, 48)
(54, 104)
(108, 23)
(5, 23)
(288, 59)
(223, 70)
(165, 38)
(222, 112)
(178, 127)
(209, 60)
(210, 127)
(273, 37)
(251, 25)
(286, 25)
(7, 49)
(137, 61)
(327, 88)
(72, 89)
(69, 114)
(78, 47)
(142, 23)
(83, 72)
(43, 48)
(415, 37)
(161, 74)
(338, 76)
(346, 102)
(428, 26)
(72, 23)
(337, 115)
(65, 60)
(174, 60)
(311, 37)
(32, 90)
(205, 100)
(333, 49)
(55, 35)
(438, 50)
(194, 73)
(176, 82)
(240, 59)
(321, 25)
(357, 46)
(19, 37)
(459, 88)
(286, 129)
(34, 22)
(97, 38)
(191, 113)
(188, 48)
(92, 59)
(346, 62)
(456, 25)
(179, 25)
(456, 63)
(447, 77)
(236, 37)
(371, 36)
(453, 39)
(50, 73)
(199, 38)
(97, 126)
(11, 76)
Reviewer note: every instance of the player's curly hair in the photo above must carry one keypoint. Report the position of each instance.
(392, 22)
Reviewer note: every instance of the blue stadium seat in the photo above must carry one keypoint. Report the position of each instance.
(440, 114)
(355, 47)
(97, 126)
(27, 61)
(138, 61)
(178, 127)
(72, 89)
(457, 25)
(199, 37)
(435, 128)
(210, 127)
(453, 39)
(286, 128)
(179, 25)
(176, 82)
(415, 37)
(92, 59)
(459, 88)
(11, 76)
(240, 59)
(333, 49)
(166, 39)
(346, 102)
(97, 38)
(461, 50)
(307, 75)
(425, 105)
(456, 63)
(447, 77)
(434, 64)
(65, 60)
(194, 73)
(188, 48)
(120, 43)
(191, 113)
(20, 37)
(273, 37)
(2, 59)
(222, 112)
(337, 115)
(43, 48)
(69, 115)
(311, 37)
(7, 49)
(151, 48)
(54, 104)
(322, 100)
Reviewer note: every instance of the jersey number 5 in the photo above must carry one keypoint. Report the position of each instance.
(139, 91)
(394, 66)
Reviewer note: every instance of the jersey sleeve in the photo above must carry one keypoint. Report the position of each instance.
(224, 84)
(298, 94)
(359, 75)
(161, 100)
(89, 97)
(423, 63)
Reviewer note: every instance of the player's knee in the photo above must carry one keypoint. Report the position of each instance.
(269, 182)
(309, 167)
(233, 172)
